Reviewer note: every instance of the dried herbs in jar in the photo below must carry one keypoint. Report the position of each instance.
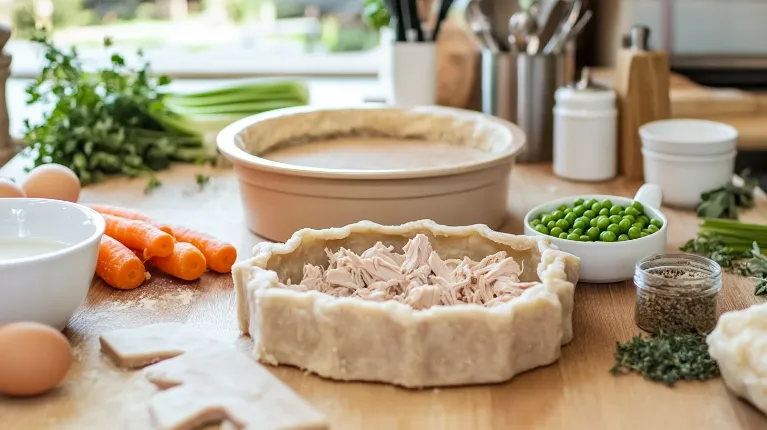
(677, 293)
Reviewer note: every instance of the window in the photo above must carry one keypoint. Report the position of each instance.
(203, 38)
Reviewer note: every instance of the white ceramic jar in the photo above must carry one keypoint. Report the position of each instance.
(687, 157)
(585, 130)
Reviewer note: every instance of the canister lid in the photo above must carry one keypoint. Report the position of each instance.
(585, 83)
(585, 94)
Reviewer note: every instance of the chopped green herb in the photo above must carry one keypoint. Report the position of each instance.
(724, 202)
(202, 180)
(152, 184)
(666, 358)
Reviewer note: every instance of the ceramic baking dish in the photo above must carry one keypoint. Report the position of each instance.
(280, 198)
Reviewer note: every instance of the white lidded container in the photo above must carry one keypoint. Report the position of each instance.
(585, 131)
(687, 157)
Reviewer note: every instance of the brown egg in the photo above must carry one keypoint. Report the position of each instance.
(52, 181)
(34, 358)
(10, 189)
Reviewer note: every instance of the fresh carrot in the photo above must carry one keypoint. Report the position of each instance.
(186, 262)
(118, 266)
(139, 235)
(219, 255)
(130, 214)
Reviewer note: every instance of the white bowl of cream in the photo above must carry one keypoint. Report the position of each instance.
(48, 254)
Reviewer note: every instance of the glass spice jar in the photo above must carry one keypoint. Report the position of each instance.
(677, 293)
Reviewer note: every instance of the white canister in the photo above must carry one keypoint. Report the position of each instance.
(413, 74)
(585, 131)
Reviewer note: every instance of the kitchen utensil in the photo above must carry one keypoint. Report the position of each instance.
(642, 81)
(499, 84)
(414, 74)
(684, 178)
(561, 43)
(444, 7)
(480, 26)
(689, 137)
(280, 198)
(396, 20)
(521, 27)
(552, 21)
(46, 287)
(585, 131)
(561, 35)
(603, 262)
(413, 29)
(538, 78)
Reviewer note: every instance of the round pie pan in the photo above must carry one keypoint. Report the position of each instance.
(280, 199)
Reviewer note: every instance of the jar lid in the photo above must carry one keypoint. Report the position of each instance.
(688, 137)
(585, 83)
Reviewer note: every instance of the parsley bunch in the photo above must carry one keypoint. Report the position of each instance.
(104, 122)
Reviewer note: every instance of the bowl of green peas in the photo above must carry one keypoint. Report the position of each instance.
(608, 233)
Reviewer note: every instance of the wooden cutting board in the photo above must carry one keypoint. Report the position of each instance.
(576, 392)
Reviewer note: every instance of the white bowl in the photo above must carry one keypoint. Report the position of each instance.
(46, 287)
(688, 137)
(603, 262)
(684, 178)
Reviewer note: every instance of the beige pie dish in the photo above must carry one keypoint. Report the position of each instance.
(351, 339)
(282, 198)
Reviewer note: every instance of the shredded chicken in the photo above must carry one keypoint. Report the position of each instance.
(418, 277)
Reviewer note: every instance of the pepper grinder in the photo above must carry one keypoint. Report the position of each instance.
(6, 145)
(642, 84)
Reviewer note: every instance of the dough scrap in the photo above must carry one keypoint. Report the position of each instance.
(139, 347)
(204, 381)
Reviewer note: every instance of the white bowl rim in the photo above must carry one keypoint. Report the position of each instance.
(680, 158)
(98, 222)
(650, 131)
(564, 200)
(226, 144)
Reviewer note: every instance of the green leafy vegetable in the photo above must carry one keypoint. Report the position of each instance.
(666, 357)
(201, 180)
(152, 184)
(374, 14)
(724, 202)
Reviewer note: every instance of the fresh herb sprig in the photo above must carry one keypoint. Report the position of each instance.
(104, 122)
(724, 202)
(666, 357)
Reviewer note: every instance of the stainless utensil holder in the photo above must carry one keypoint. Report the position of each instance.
(520, 89)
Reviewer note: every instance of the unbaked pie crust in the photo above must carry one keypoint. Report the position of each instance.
(351, 339)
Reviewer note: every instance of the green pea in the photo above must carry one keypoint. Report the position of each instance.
(648, 231)
(596, 207)
(589, 203)
(632, 211)
(623, 238)
(634, 233)
(563, 224)
(573, 236)
(656, 222)
(557, 215)
(593, 233)
(622, 213)
(652, 228)
(583, 238)
(615, 210)
(579, 210)
(630, 218)
(562, 207)
(535, 222)
(570, 230)
(604, 212)
(578, 231)
(577, 202)
(607, 204)
(643, 234)
(614, 228)
(593, 222)
(567, 210)
(638, 206)
(541, 229)
(584, 220)
(579, 224)
(645, 218)
(603, 222)
(590, 214)
(545, 219)
(563, 235)
(639, 223)
(607, 236)
(615, 219)
(551, 224)
(624, 225)
(570, 218)
(556, 231)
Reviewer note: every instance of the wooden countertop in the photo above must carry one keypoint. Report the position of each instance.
(576, 392)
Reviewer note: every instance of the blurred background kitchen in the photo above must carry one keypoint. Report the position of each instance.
(717, 48)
